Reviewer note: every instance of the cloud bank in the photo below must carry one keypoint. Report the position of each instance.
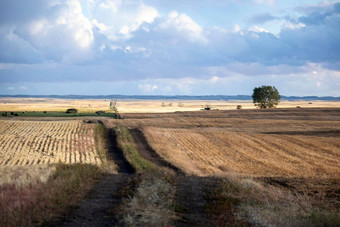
(121, 41)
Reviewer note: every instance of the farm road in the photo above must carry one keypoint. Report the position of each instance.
(192, 192)
(97, 209)
(146, 151)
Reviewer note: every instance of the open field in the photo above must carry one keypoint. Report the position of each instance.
(218, 151)
(49, 104)
(46, 142)
(295, 149)
(250, 166)
(280, 142)
(140, 106)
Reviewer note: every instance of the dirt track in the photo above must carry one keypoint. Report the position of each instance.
(146, 151)
(97, 208)
(192, 192)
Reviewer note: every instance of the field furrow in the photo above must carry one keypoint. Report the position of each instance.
(44, 142)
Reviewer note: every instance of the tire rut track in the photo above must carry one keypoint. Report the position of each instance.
(192, 192)
(147, 152)
(97, 208)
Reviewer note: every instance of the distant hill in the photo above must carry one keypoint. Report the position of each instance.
(173, 97)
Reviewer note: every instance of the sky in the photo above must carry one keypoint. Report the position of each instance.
(158, 47)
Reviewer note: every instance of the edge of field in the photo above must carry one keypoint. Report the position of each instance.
(38, 202)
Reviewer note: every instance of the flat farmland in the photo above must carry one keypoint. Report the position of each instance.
(293, 148)
(217, 151)
(261, 143)
(140, 106)
(51, 104)
(24, 143)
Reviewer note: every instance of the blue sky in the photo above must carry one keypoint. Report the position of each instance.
(169, 47)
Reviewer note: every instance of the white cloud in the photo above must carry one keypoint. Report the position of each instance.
(292, 26)
(23, 88)
(10, 88)
(269, 2)
(183, 24)
(147, 88)
(39, 26)
(258, 29)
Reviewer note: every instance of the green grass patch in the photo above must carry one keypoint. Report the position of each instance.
(127, 144)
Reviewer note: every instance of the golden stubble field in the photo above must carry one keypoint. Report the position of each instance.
(259, 143)
(28, 149)
(46, 142)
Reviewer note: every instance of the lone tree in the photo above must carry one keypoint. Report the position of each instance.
(266, 97)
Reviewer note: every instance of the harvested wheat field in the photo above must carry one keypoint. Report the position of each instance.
(216, 151)
(294, 148)
(25, 143)
(259, 143)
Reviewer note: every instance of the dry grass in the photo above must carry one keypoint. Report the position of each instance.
(46, 142)
(36, 203)
(265, 205)
(25, 175)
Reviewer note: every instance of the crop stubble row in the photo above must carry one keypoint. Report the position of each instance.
(46, 142)
(205, 152)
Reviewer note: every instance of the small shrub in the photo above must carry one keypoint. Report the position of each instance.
(298, 107)
(100, 112)
(72, 110)
(45, 112)
(239, 107)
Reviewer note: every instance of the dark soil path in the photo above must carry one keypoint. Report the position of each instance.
(146, 151)
(97, 208)
(192, 197)
(116, 154)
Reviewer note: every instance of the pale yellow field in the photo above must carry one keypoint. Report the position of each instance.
(44, 104)
(167, 106)
(33, 143)
(139, 106)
